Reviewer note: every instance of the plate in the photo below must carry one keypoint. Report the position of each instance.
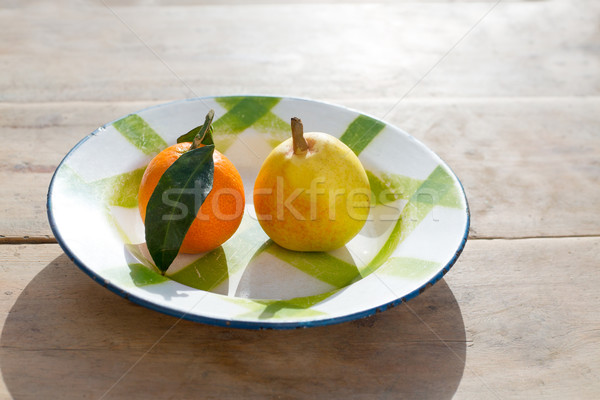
(417, 226)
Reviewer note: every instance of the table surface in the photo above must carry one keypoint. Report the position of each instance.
(507, 93)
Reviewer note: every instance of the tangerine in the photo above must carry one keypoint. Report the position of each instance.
(221, 213)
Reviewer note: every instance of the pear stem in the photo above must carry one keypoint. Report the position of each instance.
(299, 143)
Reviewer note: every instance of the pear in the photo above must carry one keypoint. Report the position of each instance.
(312, 192)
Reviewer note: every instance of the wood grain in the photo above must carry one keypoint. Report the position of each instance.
(508, 94)
(529, 308)
(35, 138)
(527, 305)
(65, 337)
(530, 167)
(307, 50)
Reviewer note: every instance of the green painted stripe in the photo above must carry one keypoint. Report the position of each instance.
(70, 180)
(274, 128)
(453, 199)
(243, 245)
(67, 175)
(135, 274)
(322, 266)
(213, 268)
(386, 250)
(422, 201)
(140, 134)
(401, 186)
(229, 102)
(361, 132)
(244, 114)
(408, 267)
(435, 187)
(143, 276)
(120, 190)
(206, 273)
(270, 123)
(118, 228)
(276, 309)
(391, 187)
(382, 194)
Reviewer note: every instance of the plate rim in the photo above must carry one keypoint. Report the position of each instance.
(250, 324)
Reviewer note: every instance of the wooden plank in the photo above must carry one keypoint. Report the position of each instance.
(517, 318)
(35, 138)
(530, 309)
(23, 207)
(308, 50)
(512, 109)
(65, 335)
(526, 164)
(530, 167)
(161, 3)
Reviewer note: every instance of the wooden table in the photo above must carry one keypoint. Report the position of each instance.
(506, 92)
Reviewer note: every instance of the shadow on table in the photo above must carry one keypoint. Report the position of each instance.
(67, 337)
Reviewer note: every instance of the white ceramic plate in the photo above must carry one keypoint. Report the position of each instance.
(416, 230)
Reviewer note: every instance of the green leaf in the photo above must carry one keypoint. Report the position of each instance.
(189, 137)
(175, 202)
(202, 134)
(208, 137)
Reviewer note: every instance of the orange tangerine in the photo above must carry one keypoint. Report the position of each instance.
(221, 213)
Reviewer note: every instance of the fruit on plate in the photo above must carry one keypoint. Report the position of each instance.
(221, 212)
(312, 192)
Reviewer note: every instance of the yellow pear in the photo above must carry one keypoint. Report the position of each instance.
(312, 193)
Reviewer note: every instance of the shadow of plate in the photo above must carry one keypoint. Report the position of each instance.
(67, 337)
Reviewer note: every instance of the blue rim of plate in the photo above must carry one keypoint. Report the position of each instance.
(243, 324)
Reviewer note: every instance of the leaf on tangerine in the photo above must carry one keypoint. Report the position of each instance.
(175, 202)
(204, 131)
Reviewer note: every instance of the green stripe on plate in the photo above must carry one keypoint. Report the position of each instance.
(421, 202)
(120, 190)
(118, 228)
(140, 134)
(322, 266)
(386, 250)
(143, 276)
(434, 188)
(117, 190)
(229, 102)
(243, 114)
(408, 267)
(135, 274)
(453, 199)
(206, 273)
(391, 187)
(274, 128)
(361, 132)
(272, 124)
(275, 309)
(216, 266)
(243, 245)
